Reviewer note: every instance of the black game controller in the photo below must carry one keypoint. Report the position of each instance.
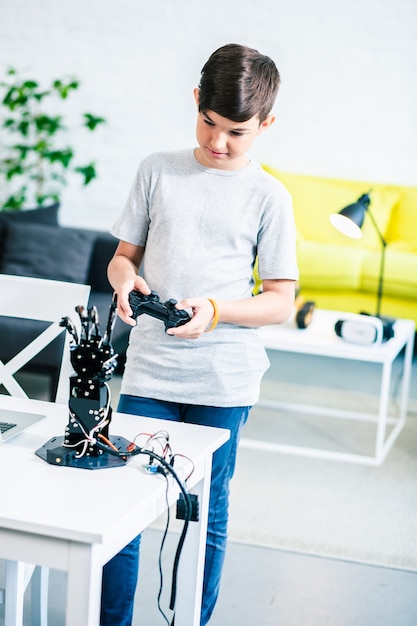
(151, 305)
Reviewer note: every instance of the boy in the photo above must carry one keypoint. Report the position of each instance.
(195, 220)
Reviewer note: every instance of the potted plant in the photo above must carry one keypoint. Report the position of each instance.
(35, 156)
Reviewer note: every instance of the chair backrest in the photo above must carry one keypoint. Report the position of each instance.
(42, 300)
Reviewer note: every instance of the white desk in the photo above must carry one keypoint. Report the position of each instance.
(76, 520)
(320, 339)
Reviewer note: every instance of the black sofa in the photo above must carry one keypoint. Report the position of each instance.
(32, 243)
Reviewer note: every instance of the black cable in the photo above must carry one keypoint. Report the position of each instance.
(177, 558)
(187, 516)
(161, 576)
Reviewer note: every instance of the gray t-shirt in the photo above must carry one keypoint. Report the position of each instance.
(202, 229)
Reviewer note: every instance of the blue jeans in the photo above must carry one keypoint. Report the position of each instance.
(120, 573)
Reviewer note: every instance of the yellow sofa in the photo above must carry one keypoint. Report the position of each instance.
(340, 273)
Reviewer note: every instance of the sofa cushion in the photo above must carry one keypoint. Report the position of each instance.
(44, 251)
(400, 275)
(330, 266)
(41, 215)
(403, 225)
(315, 199)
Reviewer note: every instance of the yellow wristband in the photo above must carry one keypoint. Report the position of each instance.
(215, 316)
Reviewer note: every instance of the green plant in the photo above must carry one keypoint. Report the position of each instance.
(35, 158)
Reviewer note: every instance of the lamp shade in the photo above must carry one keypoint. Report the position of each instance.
(349, 220)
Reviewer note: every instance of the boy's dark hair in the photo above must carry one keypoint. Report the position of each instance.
(239, 83)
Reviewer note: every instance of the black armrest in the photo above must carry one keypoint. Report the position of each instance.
(103, 251)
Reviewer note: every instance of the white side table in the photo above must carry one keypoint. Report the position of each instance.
(320, 339)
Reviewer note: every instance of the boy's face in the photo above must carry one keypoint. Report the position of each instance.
(223, 143)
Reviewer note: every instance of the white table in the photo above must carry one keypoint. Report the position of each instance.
(320, 339)
(76, 520)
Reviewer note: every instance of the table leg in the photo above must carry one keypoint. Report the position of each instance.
(15, 591)
(384, 445)
(405, 384)
(84, 586)
(384, 396)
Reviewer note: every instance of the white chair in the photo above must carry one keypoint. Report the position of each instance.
(47, 301)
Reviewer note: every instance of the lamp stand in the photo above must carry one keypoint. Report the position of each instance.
(381, 279)
(387, 322)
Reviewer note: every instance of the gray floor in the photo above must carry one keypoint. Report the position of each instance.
(265, 587)
(275, 588)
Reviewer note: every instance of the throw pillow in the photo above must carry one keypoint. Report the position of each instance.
(41, 215)
(45, 251)
(403, 225)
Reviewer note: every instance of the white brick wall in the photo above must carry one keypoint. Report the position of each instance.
(347, 105)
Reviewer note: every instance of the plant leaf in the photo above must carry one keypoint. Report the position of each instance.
(63, 157)
(88, 172)
(92, 121)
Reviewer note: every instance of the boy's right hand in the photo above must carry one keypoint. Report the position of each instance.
(123, 290)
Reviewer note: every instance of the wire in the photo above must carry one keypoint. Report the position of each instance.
(188, 510)
(161, 438)
(161, 574)
(108, 442)
(178, 553)
(187, 458)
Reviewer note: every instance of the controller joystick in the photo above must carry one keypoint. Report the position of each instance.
(164, 311)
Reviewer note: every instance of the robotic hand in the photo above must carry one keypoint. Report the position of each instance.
(93, 359)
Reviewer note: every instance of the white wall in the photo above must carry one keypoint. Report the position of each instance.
(347, 106)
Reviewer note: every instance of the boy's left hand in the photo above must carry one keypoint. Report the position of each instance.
(203, 314)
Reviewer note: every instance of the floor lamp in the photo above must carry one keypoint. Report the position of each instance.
(349, 221)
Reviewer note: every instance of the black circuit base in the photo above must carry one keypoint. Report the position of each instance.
(55, 453)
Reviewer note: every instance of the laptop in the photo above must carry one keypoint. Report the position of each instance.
(14, 422)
